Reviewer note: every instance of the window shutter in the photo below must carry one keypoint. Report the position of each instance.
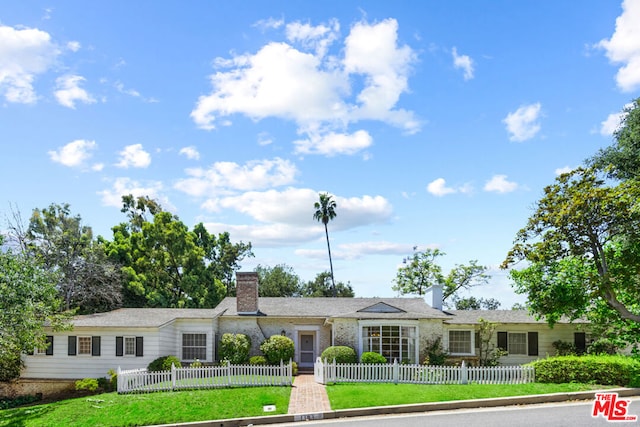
(49, 351)
(502, 340)
(72, 346)
(580, 341)
(139, 346)
(119, 346)
(532, 339)
(95, 346)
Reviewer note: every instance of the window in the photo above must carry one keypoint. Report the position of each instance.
(194, 346)
(394, 342)
(47, 349)
(129, 346)
(517, 343)
(84, 346)
(460, 342)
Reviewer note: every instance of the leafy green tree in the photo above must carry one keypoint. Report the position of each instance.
(420, 271)
(321, 287)
(278, 281)
(622, 159)
(473, 303)
(87, 280)
(28, 300)
(581, 246)
(326, 211)
(165, 264)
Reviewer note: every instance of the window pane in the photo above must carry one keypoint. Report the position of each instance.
(460, 342)
(517, 343)
(130, 346)
(84, 345)
(194, 346)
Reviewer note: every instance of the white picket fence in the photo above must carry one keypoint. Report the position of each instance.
(142, 381)
(331, 372)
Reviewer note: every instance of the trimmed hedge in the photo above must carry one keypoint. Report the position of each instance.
(277, 348)
(235, 348)
(164, 364)
(372, 358)
(341, 353)
(257, 360)
(604, 370)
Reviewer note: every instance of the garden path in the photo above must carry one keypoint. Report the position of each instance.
(307, 396)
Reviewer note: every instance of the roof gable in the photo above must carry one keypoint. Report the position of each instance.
(381, 307)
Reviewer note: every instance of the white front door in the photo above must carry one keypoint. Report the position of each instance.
(306, 349)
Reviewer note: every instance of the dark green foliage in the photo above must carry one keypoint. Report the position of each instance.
(278, 348)
(604, 370)
(602, 346)
(322, 286)
(278, 281)
(7, 403)
(372, 358)
(235, 348)
(88, 384)
(435, 353)
(294, 368)
(564, 348)
(164, 364)
(10, 365)
(341, 354)
(257, 360)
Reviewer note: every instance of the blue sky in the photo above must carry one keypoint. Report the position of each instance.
(433, 124)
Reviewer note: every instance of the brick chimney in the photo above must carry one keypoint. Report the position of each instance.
(247, 292)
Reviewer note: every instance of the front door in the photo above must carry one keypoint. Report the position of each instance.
(306, 349)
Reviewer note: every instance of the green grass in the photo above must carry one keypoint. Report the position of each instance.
(111, 409)
(345, 396)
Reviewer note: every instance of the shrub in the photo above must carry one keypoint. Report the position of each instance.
(436, 354)
(89, 384)
(370, 357)
(164, 364)
(10, 365)
(341, 354)
(602, 346)
(602, 370)
(257, 360)
(277, 348)
(8, 403)
(294, 368)
(235, 348)
(564, 348)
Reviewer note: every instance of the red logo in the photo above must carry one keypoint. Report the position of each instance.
(611, 408)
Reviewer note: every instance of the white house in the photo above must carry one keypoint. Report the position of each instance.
(397, 328)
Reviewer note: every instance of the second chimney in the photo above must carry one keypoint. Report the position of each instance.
(247, 293)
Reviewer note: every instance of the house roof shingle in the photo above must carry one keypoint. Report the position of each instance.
(141, 317)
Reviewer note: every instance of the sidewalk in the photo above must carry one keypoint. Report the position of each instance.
(307, 396)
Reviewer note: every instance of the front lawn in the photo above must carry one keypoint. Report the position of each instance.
(363, 395)
(112, 409)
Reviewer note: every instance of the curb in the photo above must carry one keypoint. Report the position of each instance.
(405, 409)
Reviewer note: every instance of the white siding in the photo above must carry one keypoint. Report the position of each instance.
(62, 366)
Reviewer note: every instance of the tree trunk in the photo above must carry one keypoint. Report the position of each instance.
(333, 283)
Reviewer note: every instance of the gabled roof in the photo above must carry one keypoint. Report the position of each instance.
(357, 308)
(472, 317)
(142, 317)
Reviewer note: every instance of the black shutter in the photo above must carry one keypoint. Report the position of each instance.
(119, 346)
(139, 346)
(95, 346)
(533, 343)
(580, 341)
(49, 350)
(502, 340)
(72, 346)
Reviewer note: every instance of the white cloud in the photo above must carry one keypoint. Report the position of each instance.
(123, 186)
(25, 53)
(523, 123)
(269, 24)
(499, 184)
(74, 154)
(614, 120)
(73, 46)
(304, 84)
(224, 177)
(264, 139)
(332, 143)
(463, 62)
(624, 46)
(277, 226)
(68, 91)
(134, 156)
(438, 187)
(190, 152)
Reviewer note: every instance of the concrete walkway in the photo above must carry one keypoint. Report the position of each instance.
(307, 396)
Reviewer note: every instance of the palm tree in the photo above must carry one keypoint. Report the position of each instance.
(325, 212)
